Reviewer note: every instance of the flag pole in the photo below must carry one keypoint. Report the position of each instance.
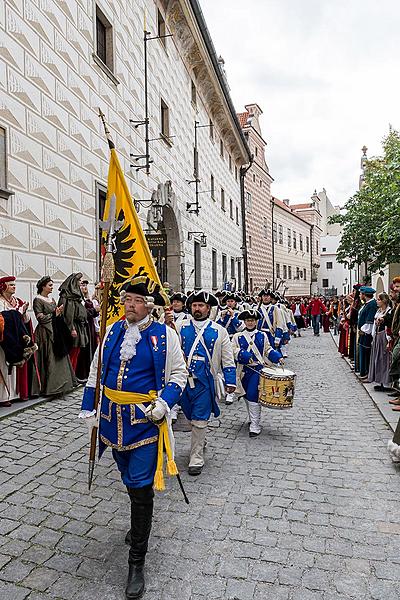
(107, 277)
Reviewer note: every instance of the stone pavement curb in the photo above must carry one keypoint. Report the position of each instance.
(380, 400)
(20, 406)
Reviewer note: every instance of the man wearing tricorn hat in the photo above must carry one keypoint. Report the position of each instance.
(208, 353)
(271, 318)
(177, 313)
(143, 374)
(252, 349)
(229, 316)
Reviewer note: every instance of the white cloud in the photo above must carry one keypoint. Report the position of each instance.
(325, 73)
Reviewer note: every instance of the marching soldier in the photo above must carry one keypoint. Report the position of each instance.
(209, 357)
(271, 321)
(229, 316)
(178, 312)
(252, 350)
(143, 374)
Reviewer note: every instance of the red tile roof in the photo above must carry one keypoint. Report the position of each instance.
(281, 204)
(296, 206)
(243, 118)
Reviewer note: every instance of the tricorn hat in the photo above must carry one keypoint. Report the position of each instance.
(202, 296)
(178, 296)
(249, 314)
(144, 286)
(264, 292)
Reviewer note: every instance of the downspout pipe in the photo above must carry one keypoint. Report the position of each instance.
(311, 256)
(243, 171)
(273, 244)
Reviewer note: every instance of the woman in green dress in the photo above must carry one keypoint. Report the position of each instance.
(56, 373)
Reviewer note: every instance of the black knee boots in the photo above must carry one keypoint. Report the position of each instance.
(141, 517)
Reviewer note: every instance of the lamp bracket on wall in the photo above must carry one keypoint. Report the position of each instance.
(147, 37)
(202, 238)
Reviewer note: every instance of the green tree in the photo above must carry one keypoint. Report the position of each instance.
(371, 218)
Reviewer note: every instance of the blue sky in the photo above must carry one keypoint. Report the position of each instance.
(326, 75)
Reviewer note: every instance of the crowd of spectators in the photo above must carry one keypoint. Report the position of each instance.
(53, 357)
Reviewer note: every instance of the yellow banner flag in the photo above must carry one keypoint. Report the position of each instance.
(132, 256)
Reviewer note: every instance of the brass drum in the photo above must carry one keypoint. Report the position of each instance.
(276, 388)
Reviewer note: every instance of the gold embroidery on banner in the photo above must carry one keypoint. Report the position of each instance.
(109, 416)
(150, 440)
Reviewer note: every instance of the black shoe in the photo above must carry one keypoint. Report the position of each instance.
(252, 434)
(136, 584)
(128, 538)
(381, 388)
(195, 470)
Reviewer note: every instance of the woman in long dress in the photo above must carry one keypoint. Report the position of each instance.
(74, 313)
(23, 381)
(56, 373)
(380, 356)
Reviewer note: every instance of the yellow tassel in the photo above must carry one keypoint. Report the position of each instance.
(172, 469)
(159, 483)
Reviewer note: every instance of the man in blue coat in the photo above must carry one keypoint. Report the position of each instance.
(209, 357)
(143, 375)
(252, 349)
(365, 324)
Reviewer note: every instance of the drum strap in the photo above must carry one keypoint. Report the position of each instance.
(253, 348)
(198, 339)
(267, 321)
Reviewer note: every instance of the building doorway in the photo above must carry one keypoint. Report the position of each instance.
(165, 247)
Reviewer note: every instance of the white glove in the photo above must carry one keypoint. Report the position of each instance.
(90, 419)
(157, 411)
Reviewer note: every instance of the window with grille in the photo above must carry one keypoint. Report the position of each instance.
(280, 234)
(164, 119)
(222, 198)
(274, 232)
(197, 265)
(214, 265)
(161, 30)
(193, 93)
(104, 39)
(248, 201)
(224, 268)
(265, 228)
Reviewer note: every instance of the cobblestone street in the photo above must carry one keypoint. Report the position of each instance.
(307, 511)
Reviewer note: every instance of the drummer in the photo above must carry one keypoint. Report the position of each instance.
(252, 350)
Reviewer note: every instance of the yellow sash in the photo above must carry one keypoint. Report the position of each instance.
(121, 397)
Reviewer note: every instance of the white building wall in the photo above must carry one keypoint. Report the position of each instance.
(50, 93)
(289, 256)
(339, 277)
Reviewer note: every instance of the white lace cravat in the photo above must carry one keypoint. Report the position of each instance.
(131, 338)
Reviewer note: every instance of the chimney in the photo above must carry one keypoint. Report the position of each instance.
(286, 201)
